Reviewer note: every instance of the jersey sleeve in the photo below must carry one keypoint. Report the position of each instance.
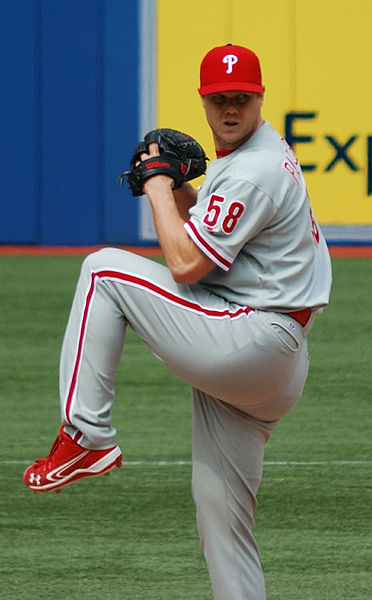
(221, 223)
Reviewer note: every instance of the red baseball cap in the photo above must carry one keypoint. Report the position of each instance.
(230, 67)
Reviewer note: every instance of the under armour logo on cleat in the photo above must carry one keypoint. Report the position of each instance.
(35, 478)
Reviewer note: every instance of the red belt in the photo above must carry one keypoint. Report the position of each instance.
(302, 316)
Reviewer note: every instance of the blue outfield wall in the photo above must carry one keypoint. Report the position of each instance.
(70, 104)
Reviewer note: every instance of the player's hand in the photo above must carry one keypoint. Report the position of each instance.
(153, 151)
(155, 181)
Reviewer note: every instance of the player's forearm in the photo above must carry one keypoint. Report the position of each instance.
(186, 262)
(185, 197)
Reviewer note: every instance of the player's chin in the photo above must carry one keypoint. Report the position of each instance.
(231, 137)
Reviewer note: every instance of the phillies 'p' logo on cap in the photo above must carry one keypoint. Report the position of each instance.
(230, 60)
(228, 68)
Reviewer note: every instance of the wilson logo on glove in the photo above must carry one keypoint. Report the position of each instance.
(156, 164)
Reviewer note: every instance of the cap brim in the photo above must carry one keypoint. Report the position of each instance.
(224, 86)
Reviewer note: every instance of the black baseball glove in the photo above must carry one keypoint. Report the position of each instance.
(181, 157)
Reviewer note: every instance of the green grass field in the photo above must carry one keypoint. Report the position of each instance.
(132, 536)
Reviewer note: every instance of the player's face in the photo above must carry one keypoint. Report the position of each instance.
(233, 117)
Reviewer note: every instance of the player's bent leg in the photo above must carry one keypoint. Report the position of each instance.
(180, 324)
(227, 470)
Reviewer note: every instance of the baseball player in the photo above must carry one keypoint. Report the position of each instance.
(247, 272)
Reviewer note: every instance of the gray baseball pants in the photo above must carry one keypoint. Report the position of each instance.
(246, 371)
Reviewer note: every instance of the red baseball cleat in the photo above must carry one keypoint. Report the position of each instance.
(67, 462)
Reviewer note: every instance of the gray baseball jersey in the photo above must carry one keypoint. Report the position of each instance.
(254, 220)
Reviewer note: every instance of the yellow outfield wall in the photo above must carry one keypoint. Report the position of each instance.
(316, 58)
